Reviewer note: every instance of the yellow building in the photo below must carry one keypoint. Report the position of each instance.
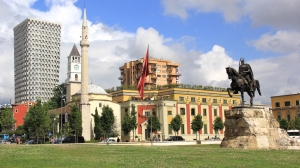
(286, 106)
(185, 100)
(162, 72)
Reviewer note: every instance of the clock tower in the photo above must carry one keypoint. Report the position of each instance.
(73, 81)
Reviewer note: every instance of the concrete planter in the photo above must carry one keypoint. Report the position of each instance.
(198, 142)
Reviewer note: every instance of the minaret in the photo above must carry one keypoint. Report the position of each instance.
(84, 99)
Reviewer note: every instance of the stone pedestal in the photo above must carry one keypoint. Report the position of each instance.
(254, 128)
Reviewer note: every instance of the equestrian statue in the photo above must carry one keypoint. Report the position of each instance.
(243, 81)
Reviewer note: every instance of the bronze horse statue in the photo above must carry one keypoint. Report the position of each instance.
(240, 84)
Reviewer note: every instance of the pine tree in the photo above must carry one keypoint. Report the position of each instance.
(176, 123)
(218, 125)
(197, 124)
(153, 122)
(97, 128)
(126, 123)
(107, 120)
(133, 119)
(75, 120)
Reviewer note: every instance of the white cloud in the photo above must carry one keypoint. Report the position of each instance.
(282, 42)
(230, 9)
(275, 13)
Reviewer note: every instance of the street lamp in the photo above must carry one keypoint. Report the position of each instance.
(53, 129)
(61, 102)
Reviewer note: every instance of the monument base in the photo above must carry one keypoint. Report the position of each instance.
(255, 128)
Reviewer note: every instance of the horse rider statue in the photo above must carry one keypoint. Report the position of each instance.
(246, 72)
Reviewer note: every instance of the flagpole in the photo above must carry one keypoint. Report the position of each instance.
(151, 135)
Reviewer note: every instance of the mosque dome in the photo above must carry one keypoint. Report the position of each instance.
(94, 89)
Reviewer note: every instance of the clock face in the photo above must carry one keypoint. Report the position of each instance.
(76, 67)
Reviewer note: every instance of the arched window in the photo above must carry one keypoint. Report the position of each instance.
(279, 115)
(76, 77)
(288, 116)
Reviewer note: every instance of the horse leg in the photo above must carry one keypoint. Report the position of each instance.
(258, 87)
(251, 97)
(228, 90)
(242, 96)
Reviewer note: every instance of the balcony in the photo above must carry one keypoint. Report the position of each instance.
(120, 78)
(153, 77)
(174, 74)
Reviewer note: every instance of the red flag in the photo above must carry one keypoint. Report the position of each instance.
(144, 74)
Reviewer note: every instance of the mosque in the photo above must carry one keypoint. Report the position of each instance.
(90, 95)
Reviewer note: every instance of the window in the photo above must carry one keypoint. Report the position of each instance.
(181, 98)
(224, 101)
(215, 101)
(157, 70)
(182, 111)
(169, 112)
(193, 99)
(164, 76)
(100, 105)
(170, 129)
(234, 102)
(204, 100)
(279, 115)
(182, 129)
(16, 111)
(277, 104)
(147, 113)
(288, 117)
(205, 128)
(204, 112)
(158, 75)
(287, 103)
(192, 111)
(164, 66)
(215, 112)
(126, 110)
(297, 102)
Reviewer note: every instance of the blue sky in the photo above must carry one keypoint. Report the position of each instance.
(203, 36)
(131, 14)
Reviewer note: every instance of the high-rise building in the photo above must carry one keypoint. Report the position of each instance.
(161, 72)
(36, 59)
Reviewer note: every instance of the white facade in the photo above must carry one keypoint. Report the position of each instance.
(36, 59)
(97, 99)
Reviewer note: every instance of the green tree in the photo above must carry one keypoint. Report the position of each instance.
(197, 124)
(55, 101)
(107, 120)
(126, 124)
(284, 124)
(37, 120)
(176, 124)
(20, 130)
(97, 128)
(133, 119)
(295, 123)
(218, 125)
(7, 119)
(75, 120)
(153, 122)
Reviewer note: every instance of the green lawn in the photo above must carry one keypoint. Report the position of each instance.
(94, 155)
